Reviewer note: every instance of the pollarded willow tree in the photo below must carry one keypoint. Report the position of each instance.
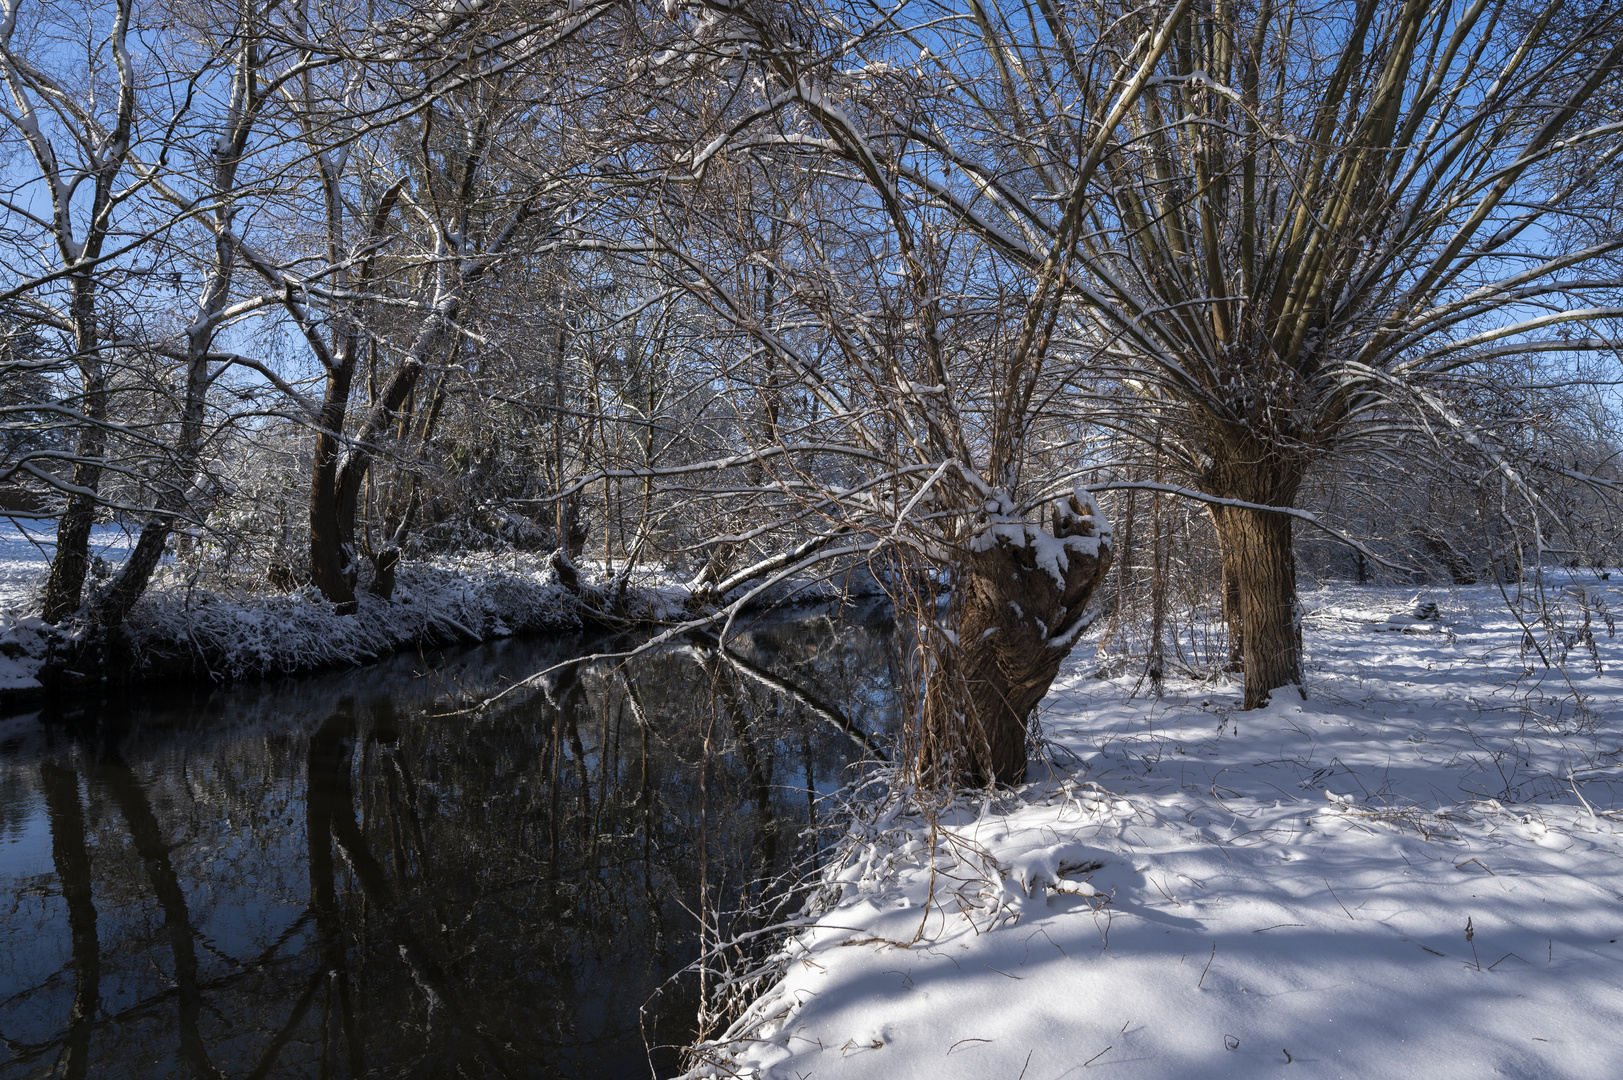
(891, 358)
(1319, 222)
(1288, 232)
(1310, 228)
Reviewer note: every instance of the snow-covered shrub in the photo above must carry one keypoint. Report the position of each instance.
(234, 635)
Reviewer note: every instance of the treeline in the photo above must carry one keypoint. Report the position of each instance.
(754, 290)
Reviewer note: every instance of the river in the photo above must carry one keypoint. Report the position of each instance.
(342, 876)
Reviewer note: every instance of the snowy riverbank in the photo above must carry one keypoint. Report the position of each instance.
(181, 629)
(1415, 872)
(178, 630)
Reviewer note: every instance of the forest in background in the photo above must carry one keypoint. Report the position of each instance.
(1073, 311)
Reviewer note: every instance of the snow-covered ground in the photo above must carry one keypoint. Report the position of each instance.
(1416, 872)
(26, 547)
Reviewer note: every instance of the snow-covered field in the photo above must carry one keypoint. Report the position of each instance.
(1417, 872)
(26, 547)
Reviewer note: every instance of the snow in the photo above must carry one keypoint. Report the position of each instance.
(467, 598)
(232, 634)
(26, 547)
(181, 628)
(1413, 872)
(1049, 552)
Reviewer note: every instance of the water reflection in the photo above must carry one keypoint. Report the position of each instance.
(328, 878)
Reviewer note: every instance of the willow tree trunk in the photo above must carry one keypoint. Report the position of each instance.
(1020, 606)
(1261, 569)
(1231, 600)
(1265, 576)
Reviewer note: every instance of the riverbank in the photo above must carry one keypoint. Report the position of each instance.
(1413, 872)
(182, 630)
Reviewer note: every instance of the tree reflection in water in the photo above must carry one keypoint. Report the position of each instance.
(324, 878)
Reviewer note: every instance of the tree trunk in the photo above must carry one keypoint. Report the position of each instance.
(112, 606)
(132, 580)
(1156, 668)
(64, 588)
(332, 564)
(1019, 606)
(335, 491)
(1231, 599)
(1258, 559)
(383, 572)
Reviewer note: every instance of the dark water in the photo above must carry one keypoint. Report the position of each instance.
(325, 878)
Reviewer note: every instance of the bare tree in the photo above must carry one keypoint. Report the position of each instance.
(164, 173)
(1315, 222)
(895, 345)
(254, 69)
(78, 134)
(472, 185)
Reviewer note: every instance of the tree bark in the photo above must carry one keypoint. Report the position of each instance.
(332, 565)
(1259, 560)
(64, 588)
(1231, 599)
(1019, 610)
